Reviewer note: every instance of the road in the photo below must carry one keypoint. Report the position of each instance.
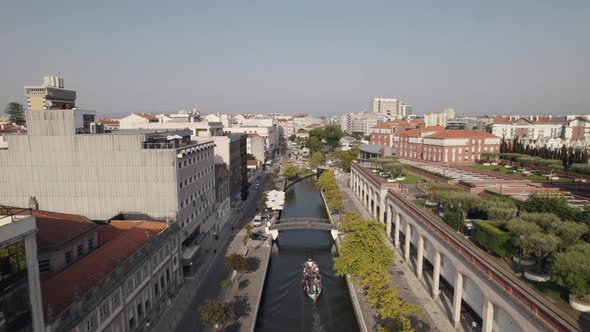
(211, 288)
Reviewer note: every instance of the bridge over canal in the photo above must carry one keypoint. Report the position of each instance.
(300, 223)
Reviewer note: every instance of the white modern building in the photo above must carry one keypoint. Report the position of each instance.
(270, 134)
(439, 119)
(392, 108)
(530, 127)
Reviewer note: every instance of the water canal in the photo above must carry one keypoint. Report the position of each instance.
(284, 306)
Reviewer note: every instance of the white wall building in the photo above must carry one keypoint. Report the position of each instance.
(392, 108)
(439, 119)
(270, 134)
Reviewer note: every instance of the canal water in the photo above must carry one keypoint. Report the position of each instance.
(285, 306)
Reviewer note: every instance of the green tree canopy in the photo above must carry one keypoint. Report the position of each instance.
(313, 143)
(363, 243)
(236, 262)
(16, 113)
(347, 157)
(395, 169)
(332, 135)
(316, 159)
(250, 156)
(571, 269)
(214, 313)
(551, 204)
(290, 171)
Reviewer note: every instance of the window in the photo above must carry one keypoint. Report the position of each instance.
(68, 257)
(156, 290)
(91, 323)
(167, 275)
(138, 277)
(139, 310)
(129, 286)
(104, 311)
(44, 265)
(115, 300)
(90, 244)
(80, 250)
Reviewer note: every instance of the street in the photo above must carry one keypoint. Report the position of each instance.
(210, 287)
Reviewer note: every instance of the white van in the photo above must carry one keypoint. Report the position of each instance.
(257, 222)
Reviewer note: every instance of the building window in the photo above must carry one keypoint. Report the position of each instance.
(139, 310)
(90, 244)
(156, 290)
(68, 257)
(138, 277)
(129, 287)
(104, 311)
(91, 323)
(44, 265)
(115, 300)
(80, 250)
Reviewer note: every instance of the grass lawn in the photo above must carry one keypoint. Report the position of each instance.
(536, 177)
(410, 179)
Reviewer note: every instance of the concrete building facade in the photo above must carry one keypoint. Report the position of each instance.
(392, 108)
(21, 308)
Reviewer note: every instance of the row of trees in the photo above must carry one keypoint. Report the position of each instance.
(318, 137)
(290, 171)
(565, 156)
(365, 254)
(327, 184)
(543, 227)
(316, 159)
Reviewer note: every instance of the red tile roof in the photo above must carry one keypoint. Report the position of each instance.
(461, 134)
(314, 125)
(433, 128)
(417, 121)
(12, 128)
(389, 124)
(150, 117)
(123, 239)
(56, 229)
(412, 133)
(252, 162)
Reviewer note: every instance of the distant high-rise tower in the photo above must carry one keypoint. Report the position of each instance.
(50, 95)
(391, 108)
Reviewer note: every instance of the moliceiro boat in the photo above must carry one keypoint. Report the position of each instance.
(312, 279)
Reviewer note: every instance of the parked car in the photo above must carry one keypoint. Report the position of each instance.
(257, 222)
(258, 237)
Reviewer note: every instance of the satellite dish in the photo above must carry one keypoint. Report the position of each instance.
(48, 103)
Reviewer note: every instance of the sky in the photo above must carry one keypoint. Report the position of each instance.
(318, 57)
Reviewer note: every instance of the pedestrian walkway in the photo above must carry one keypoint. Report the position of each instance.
(410, 289)
(245, 293)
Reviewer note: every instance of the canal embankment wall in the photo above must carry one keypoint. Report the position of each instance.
(349, 281)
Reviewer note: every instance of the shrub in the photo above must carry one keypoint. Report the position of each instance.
(236, 262)
(580, 168)
(467, 184)
(493, 238)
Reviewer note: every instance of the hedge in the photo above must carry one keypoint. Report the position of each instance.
(580, 168)
(489, 236)
(467, 184)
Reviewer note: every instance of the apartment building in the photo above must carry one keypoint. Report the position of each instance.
(197, 128)
(122, 285)
(21, 308)
(50, 95)
(578, 130)
(439, 119)
(531, 127)
(270, 134)
(256, 146)
(387, 132)
(360, 123)
(392, 108)
(139, 120)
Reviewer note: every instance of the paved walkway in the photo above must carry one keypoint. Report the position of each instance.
(246, 291)
(410, 289)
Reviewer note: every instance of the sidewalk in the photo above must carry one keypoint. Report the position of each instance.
(246, 291)
(410, 289)
(205, 282)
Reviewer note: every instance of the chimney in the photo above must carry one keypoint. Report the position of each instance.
(33, 204)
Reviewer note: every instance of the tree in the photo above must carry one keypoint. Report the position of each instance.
(394, 169)
(215, 314)
(16, 113)
(571, 269)
(293, 138)
(551, 204)
(317, 159)
(250, 156)
(531, 240)
(363, 243)
(313, 143)
(236, 262)
(332, 135)
(290, 171)
(347, 157)
(460, 200)
(488, 156)
(261, 204)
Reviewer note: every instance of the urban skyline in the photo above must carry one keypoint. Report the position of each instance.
(320, 59)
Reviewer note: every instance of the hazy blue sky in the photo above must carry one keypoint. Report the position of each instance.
(323, 57)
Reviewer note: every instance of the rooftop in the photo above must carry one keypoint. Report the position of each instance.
(461, 134)
(119, 241)
(56, 229)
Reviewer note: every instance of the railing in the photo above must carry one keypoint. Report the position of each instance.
(14, 214)
(303, 223)
(517, 289)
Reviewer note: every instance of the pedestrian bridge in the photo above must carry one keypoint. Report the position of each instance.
(300, 223)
